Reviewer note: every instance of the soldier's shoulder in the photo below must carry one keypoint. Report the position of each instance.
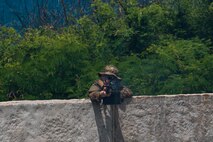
(96, 86)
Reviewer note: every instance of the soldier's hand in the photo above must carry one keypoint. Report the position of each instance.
(103, 94)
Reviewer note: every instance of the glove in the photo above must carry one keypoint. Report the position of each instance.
(103, 94)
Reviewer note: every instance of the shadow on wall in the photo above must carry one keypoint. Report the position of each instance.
(107, 121)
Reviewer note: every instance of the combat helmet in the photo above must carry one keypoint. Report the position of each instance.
(110, 70)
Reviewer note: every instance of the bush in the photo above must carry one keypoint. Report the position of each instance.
(176, 66)
(160, 48)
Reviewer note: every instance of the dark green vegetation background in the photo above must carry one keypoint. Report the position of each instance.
(161, 48)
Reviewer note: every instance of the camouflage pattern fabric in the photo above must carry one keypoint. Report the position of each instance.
(126, 92)
(94, 91)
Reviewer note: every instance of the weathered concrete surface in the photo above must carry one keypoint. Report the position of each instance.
(181, 118)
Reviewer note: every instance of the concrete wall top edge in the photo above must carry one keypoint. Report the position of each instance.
(87, 101)
(34, 102)
(176, 95)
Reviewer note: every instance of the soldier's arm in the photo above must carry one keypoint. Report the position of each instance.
(94, 92)
(126, 92)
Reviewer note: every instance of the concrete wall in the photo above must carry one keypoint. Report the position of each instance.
(181, 118)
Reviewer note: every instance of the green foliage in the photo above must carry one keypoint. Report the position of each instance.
(191, 17)
(160, 48)
(171, 68)
(148, 24)
(48, 66)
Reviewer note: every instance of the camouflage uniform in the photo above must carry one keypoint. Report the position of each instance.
(98, 85)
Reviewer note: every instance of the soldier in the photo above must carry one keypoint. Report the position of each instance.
(108, 88)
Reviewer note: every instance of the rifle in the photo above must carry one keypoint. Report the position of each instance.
(107, 88)
(112, 89)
